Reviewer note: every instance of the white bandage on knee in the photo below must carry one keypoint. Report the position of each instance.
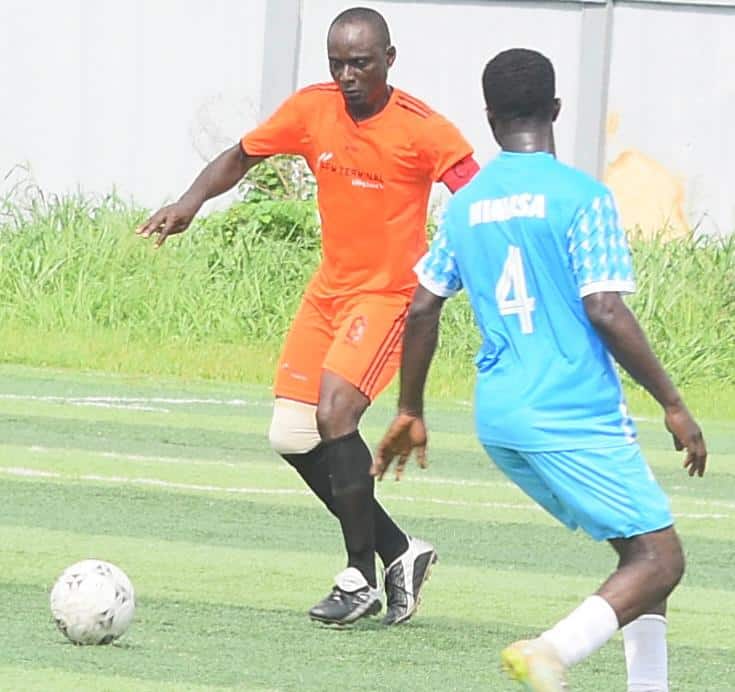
(293, 427)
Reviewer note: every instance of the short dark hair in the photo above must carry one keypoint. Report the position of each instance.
(519, 84)
(367, 16)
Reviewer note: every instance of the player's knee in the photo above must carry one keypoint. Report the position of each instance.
(339, 410)
(328, 420)
(673, 565)
(665, 559)
(293, 427)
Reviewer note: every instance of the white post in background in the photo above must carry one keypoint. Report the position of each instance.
(594, 80)
(281, 46)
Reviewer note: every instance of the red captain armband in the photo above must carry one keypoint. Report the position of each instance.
(460, 173)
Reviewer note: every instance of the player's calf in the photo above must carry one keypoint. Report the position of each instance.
(650, 567)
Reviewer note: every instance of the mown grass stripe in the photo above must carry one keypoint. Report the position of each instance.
(240, 522)
(24, 678)
(502, 503)
(198, 573)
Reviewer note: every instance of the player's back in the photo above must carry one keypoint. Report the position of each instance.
(530, 237)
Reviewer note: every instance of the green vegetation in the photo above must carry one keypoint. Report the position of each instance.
(172, 478)
(174, 482)
(79, 289)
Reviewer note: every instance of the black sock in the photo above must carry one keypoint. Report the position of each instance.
(312, 467)
(390, 541)
(349, 464)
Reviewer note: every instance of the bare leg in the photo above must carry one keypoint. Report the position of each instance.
(650, 566)
(365, 524)
(646, 654)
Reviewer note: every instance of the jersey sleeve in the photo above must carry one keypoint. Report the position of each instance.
(442, 145)
(598, 249)
(437, 270)
(284, 132)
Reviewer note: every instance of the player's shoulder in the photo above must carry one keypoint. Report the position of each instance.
(321, 91)
(422, 124)
(579, 183)
(411, 105)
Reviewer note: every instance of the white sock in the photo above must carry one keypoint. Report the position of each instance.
(644, 640)
(583, 631)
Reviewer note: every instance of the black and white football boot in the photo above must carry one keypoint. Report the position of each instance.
(404, 578)
(350, 599)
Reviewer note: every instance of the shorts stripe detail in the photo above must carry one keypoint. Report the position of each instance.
(392, 338)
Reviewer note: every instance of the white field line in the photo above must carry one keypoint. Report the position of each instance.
(285, 468)
(197, 487)
(240, 490)
(124, 401)
(127, 400)
(278, 467)
(126, 407)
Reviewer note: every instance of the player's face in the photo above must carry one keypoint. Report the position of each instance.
(359, 65)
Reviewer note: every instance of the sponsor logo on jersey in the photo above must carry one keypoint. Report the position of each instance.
(364, 179)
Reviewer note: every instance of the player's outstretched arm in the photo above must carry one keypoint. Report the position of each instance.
(625, 339)
(220, 175)
(407, 432)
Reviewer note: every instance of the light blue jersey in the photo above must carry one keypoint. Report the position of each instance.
(528, 238)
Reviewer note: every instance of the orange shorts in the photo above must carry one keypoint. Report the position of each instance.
(358, 338)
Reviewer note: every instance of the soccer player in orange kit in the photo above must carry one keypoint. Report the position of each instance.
(375, 152)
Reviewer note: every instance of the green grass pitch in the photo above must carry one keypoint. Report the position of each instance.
(175, 483)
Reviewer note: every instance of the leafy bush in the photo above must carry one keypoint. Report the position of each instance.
(71, 264)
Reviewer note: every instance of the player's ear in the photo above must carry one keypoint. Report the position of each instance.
(555, 110)
(390, 55)
(490, 117)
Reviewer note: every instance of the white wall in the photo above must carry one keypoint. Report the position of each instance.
(672, 100)
(441, 55)
(138, 94)
(135, 94)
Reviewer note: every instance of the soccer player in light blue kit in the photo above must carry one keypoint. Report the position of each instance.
(539, 248)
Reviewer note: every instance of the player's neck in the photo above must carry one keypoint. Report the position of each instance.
(368, 110)
(527, 141)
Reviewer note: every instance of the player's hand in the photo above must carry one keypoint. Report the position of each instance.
(407, 433)
(173, 219)
(687, 435)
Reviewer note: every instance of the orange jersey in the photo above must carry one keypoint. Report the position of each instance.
(374, 178)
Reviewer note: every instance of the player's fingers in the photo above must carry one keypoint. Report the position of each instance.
(149, 227)
(376, 467)
(382, 461)
(689, 464)
(421, 456)
(401, 467)
(145, 229)
(166, 229)
(678, 446)
(696, 459)
(700, 458)
(695, 462)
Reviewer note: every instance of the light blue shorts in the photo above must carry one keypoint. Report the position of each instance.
(609, 493)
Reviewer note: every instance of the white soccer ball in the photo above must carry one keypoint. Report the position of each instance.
(93, 602)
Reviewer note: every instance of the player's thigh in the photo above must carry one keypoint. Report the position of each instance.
(366, 350)
(300, 365)
(611, 492)
(514, 465)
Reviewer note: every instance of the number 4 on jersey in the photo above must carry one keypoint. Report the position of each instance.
(511, 293)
